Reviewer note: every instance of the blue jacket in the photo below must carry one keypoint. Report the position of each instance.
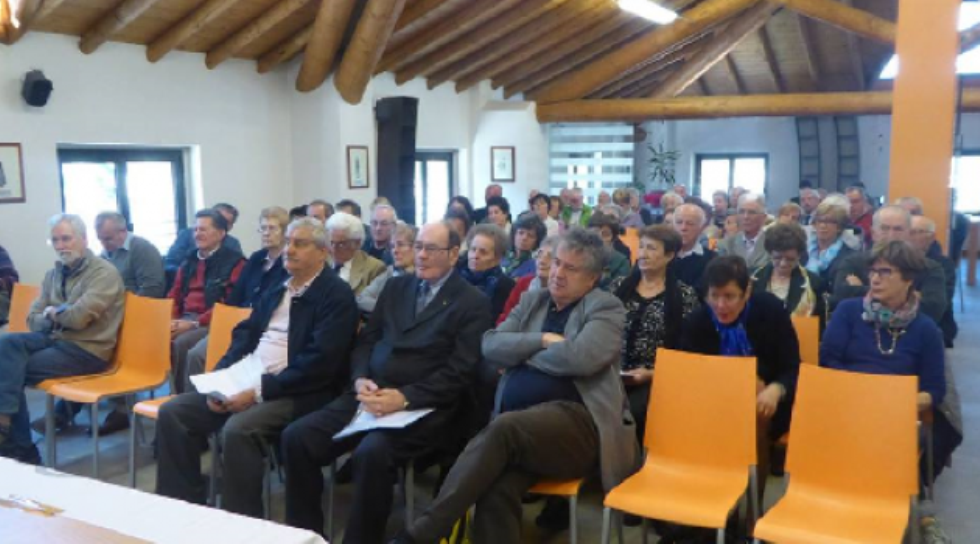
(254, 280)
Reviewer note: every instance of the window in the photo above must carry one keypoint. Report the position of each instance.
(719, 172)
(433, 185)
(145, 185)
(966, 168)
(592, 157)
(967, 62)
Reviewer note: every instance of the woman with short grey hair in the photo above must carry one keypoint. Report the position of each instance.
(486, 247)
(403, 255)
(535, 280)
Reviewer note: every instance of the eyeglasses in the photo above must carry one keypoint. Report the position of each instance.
(375, 223)
(419, 248)
(824, 222)
(749, 212)
(883, 273)
(341, 245)
(400, 245)
(542, 254)
(268, 228)
(790, 261)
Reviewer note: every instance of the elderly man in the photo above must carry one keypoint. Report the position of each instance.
(860, 212)
(383, 221)
(561, 405)
(8, 277)
(300, 332)
(577, 213)
(419, 350)
(73, 323)
(750, 242)
(809, 200)
(137, 260)
(186, 245)
(321, 210)
(912, 204)
(347, 259)
(690, 221)
(492, 190)
(888, 224)
(206, 277)
(923, 238)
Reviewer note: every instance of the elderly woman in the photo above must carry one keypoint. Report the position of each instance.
(498, 213)
(537, 280)
(541, 206)
(785, 277)
(525, 238)
(487, 246)
(827, 249)
(264, 267)
(607, 227)
(403, 254)
(656, 305)
(789, 213)
(669, 202)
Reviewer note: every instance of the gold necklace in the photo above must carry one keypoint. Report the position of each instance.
(896, 334)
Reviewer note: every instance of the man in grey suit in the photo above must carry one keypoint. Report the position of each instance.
(561, 405)
(750, 242)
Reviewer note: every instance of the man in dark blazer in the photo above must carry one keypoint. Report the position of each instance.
(301, 331)
(419, 350)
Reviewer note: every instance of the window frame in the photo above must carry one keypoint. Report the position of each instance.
(968, 152)
(422, 157)
(731, 157)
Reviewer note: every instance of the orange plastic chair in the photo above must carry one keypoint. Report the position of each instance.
(631, 238)
(21, 299)
(700, 440)
(141, 362)
(563, 488)
(853, 479)
(224, 319)
(808, 333)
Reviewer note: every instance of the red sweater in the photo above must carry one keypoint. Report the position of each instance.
(515, 296)
(194, 302)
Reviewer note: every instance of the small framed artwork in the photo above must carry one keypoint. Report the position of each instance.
(502, 163)
(358, 168)
(11, 174)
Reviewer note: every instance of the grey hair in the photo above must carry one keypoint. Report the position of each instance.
(276, 214)
(876, 218)
(722, 194)
(74, 221)
(403, 229)
(671, 195)
(588, 244)
(317, 230)
(808, 190)
(377, 207)
(115, 217)
(752, 197)
(346, 222)
(693, 207)
(493, 232)
(613, 209)
(913, 201)
(837, 199)
(550, 243)
(929, 224)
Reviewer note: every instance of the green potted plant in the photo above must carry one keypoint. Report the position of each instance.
(663, 165)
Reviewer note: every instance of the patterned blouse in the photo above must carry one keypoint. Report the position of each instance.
(645, 325)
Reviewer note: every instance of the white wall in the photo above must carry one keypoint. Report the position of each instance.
(502, 124)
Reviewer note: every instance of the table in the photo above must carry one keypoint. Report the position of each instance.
(132, 513)
(972, 249)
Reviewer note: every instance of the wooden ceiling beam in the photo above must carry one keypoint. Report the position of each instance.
(460, 23)
(285, 51)
(700, 107)
(368, 43)
(481, 38)
(703, 87)
(582, 81)
(846, 18)
(254, 30)
(417, 10)
(718, 48)
(650, 77)
(328, 31)
(854, 52)
(682, 53)
(27, 13)
(650, 86)
(115, 21)
(810, 51)
(770, 54)
(188, 27)
(729, 66)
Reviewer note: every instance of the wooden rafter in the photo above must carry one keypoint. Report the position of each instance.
(649, 86)
(328, 31)
(854, 54)
(642, 74)
(581, 82)
(113, 22)
(700, 107)
(285, 51)
(228, 48)
(809, 50)
(734, 74)
(703, 87)
(846, 18)
(771, 62)
(417, 11)
(366, 47)
(644, 81)
(188, 27)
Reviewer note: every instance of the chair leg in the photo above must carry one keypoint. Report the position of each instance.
(930, 466)
(215, 468)
(573, 516)
(721, 536)
(754, 507)
(132, 448)
(330, 486)
(915, 525)
(94, 414)
(267, 493)
(644, 528)
(49, 437)
(619, 527)
(606, 513)
(409, 493)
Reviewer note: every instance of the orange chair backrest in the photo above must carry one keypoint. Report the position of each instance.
(144, 338)
(854, 433)
(808, 333)
(224, 319)
(631, 239)
(702, 410)
(20, 305)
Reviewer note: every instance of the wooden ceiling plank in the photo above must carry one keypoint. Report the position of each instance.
(373, 31)
(718, 48)
(228, 48)
(188, 27)
(582, 81)
(417, 10)
(734, 74)
(810, 51)
(285, 51)
(777, 75)
(328, 31)
(116, 20)
(28, 14)
(644, 81)
(854, 52)
(680, 54)
(703, 87)
(846, 18)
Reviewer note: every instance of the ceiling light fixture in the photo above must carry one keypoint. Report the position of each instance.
(648, 10)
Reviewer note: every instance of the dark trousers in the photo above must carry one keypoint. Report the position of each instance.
(555, 440)
(308, 445)
(182, 430)
(639, 399)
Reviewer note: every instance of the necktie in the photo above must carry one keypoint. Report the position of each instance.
(423, 299)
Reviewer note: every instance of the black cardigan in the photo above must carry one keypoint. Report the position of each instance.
(255, 280)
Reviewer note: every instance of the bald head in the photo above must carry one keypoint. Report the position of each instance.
(891, 223)
(923, 233)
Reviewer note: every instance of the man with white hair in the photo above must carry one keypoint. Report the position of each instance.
(750, 242)
(347, 259)
(383, 221)
(74, 324)
(690, 221)
(577, 213)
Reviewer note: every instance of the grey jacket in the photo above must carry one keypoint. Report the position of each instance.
(90, 302)
(141, 267)
(589, 354)
(735, 245)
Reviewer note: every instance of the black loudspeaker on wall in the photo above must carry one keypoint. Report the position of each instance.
(396, 117)
(37, 89)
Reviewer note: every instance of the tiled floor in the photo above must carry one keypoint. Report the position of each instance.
(957, 491)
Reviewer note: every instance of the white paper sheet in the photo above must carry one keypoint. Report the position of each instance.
(364, 421)
(228, 382)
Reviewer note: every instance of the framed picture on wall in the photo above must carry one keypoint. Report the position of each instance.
(11, 174)
(358, 167)
(502, 163)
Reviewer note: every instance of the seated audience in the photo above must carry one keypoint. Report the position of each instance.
(487, 246)
(618, 261)
(8, 277)
(403, 256)
(351, 207)
(561, 404)
(321, 210)
(669, 202)
(576, 212)
(137, 260)
(680, 190)
(534, 281)
(185, 243)
(923, 239)
(300, 331)
(347, 259)
(525, 238)
(74, 325)
(750, 242)
(207, 276)
(731, 228)
(462, 204)
(785, 277)
(861, 212)
(297, 212)
(637, 206)
(498, 213)
(631, 219)
(540, 204)
(460, 222)
(692, 257)
(383, 221)
(827, 249)
(419, 350)
(789, 213)
(656, 304)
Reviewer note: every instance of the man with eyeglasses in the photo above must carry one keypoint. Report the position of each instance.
(383, 221)
(347, 258)
(750, 242)
(418, 351)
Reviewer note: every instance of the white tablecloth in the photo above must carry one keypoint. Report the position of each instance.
(138, 514)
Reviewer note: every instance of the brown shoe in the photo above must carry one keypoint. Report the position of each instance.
(114, 422)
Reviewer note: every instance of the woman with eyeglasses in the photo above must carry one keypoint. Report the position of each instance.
(827, 248)
(264, 267)
(487, 245)
(525, 238)
(403, 255)
(536, 280)
(785, 277)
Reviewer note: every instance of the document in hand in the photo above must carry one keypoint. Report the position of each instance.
(228, 382)
(364, 421)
